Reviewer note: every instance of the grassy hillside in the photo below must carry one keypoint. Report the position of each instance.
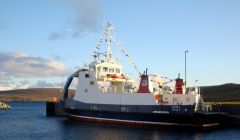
(220, 93)
(35, 94)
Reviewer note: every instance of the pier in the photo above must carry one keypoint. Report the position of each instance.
(232, 108)
(55, 109)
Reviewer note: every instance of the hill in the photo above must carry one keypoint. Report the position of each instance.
(35, 94)
(220, 93)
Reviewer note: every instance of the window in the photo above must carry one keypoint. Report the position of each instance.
(86, 90)
(86, 75)
(117, 70)
(91, 83)
(94, 108)
(99, 69)
(105, 69)
(111, 70)
(124, 109)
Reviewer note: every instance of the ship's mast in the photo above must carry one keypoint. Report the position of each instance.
(107, 37)
(108, 40)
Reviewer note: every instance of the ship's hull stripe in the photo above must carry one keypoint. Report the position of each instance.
(129, 121)
(138, 123)
(177, 109)
(197, 119)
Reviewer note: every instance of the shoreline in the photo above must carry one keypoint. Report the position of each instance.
(219, 94)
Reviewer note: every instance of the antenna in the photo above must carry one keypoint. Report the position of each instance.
(186, 51)
(108, 40)
(111, 39)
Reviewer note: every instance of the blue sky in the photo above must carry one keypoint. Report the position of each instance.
(60, 35)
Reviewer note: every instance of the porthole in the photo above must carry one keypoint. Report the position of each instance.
(92, 83)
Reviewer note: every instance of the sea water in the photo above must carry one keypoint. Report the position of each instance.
(27, 120)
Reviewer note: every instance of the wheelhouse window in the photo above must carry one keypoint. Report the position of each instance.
(117, 70)
(99, 69)
(105, 69)
(111, 70)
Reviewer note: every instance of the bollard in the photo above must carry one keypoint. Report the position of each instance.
(50, 108)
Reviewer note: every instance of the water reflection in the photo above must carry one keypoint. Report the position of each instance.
(27, 120)
(80, 130)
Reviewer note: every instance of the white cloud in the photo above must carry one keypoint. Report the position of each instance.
(4, 78)
(21, 86)
(19, 64)
(29, 84)
(44, 84)
(5, 82)
(56, 65)
(56, 36)
(6, 87)
(87, 18)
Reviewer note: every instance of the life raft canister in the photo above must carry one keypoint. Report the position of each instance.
(114, 76)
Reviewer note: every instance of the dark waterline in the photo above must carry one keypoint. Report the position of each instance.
(27, 120)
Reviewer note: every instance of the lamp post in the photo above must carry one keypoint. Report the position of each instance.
(186, 67)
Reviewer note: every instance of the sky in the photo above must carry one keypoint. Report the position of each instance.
(43, 42)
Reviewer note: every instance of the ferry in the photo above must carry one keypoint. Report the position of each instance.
(105, 94)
